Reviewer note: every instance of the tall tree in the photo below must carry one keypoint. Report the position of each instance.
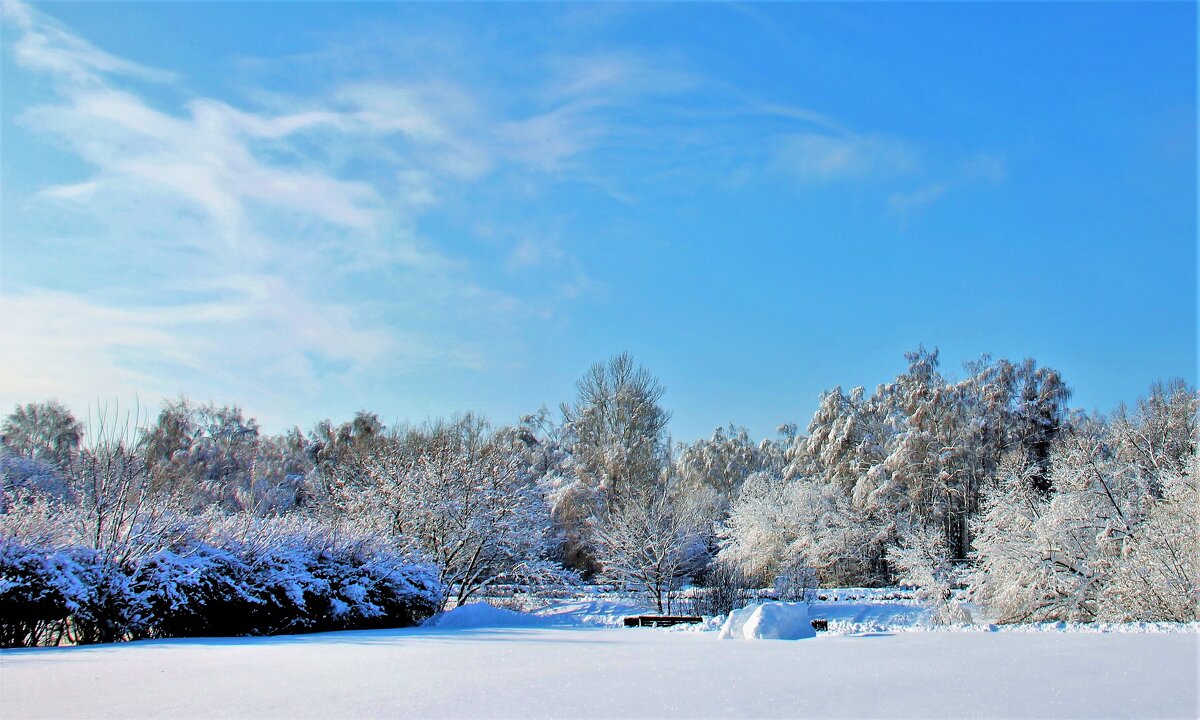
(714, 469)
(46, 432)
(617, 427)
(205, 452)
(616, 432)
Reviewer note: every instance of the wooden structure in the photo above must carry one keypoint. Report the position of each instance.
(661, 620)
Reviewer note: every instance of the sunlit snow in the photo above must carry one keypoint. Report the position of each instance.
(483, 664)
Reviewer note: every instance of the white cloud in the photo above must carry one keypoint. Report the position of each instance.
(45, 45)
(616, 77)
(206, 158)
(253, 253)
(533, 250)
(803, 115)
(527, 253)
(71, 191)
(981, 169)
(546, 142)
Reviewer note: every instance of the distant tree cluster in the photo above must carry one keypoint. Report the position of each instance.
(992, 485)
(987, 487)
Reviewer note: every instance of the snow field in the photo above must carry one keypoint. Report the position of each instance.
(594, 672)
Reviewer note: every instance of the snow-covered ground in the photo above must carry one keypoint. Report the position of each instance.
(483, 663)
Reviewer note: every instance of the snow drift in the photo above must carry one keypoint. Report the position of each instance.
(482, 615)
(769, 621)
(565, 614)
(605, 613)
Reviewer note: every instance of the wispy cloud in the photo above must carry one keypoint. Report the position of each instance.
(265, 245)
(981, 169)
(906, 203)
(811, 157)
(206, 158)
(47, 46)
(248, 243)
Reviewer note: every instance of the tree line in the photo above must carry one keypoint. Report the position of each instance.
(987, 487)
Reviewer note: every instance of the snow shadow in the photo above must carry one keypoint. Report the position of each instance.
(543, 634)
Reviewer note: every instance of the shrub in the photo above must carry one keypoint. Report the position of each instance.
(723, 589)
(39, 589)
(105, 608)
(198, 590)
(259, 578)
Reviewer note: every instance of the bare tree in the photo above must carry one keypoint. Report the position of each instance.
(116, 509)
(460, 496)
(652, 543)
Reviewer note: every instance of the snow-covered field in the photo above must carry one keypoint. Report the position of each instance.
(568, 663)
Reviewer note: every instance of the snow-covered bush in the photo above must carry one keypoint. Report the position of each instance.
(25, 476)
(1029, 565)
(1111, 542)
(106, 610)
(196, 590)
(39, 590)
(299, 577)
(305, 580)
(1155, 574)
(345, 586)
(795, 582)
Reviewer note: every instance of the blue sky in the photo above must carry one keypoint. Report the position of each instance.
(308, 209)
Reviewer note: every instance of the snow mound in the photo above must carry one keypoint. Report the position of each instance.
(482, 615)
(769, 621)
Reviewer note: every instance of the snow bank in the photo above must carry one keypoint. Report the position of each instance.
(769, 621)
(482, 615)
(591, 612)
(596, 613)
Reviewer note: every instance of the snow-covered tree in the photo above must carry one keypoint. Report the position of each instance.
(617, 428)
(761, 530)
(543, 446)
(330, 447)
(652, 542)
(20, 475)
(713, 469)
(1037, 556)
(203, 453)
(1159, 437)
(460, 496)
(1155, 574)
(1115, 538)
(615, 432)
(922, 560)
(46, 432)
